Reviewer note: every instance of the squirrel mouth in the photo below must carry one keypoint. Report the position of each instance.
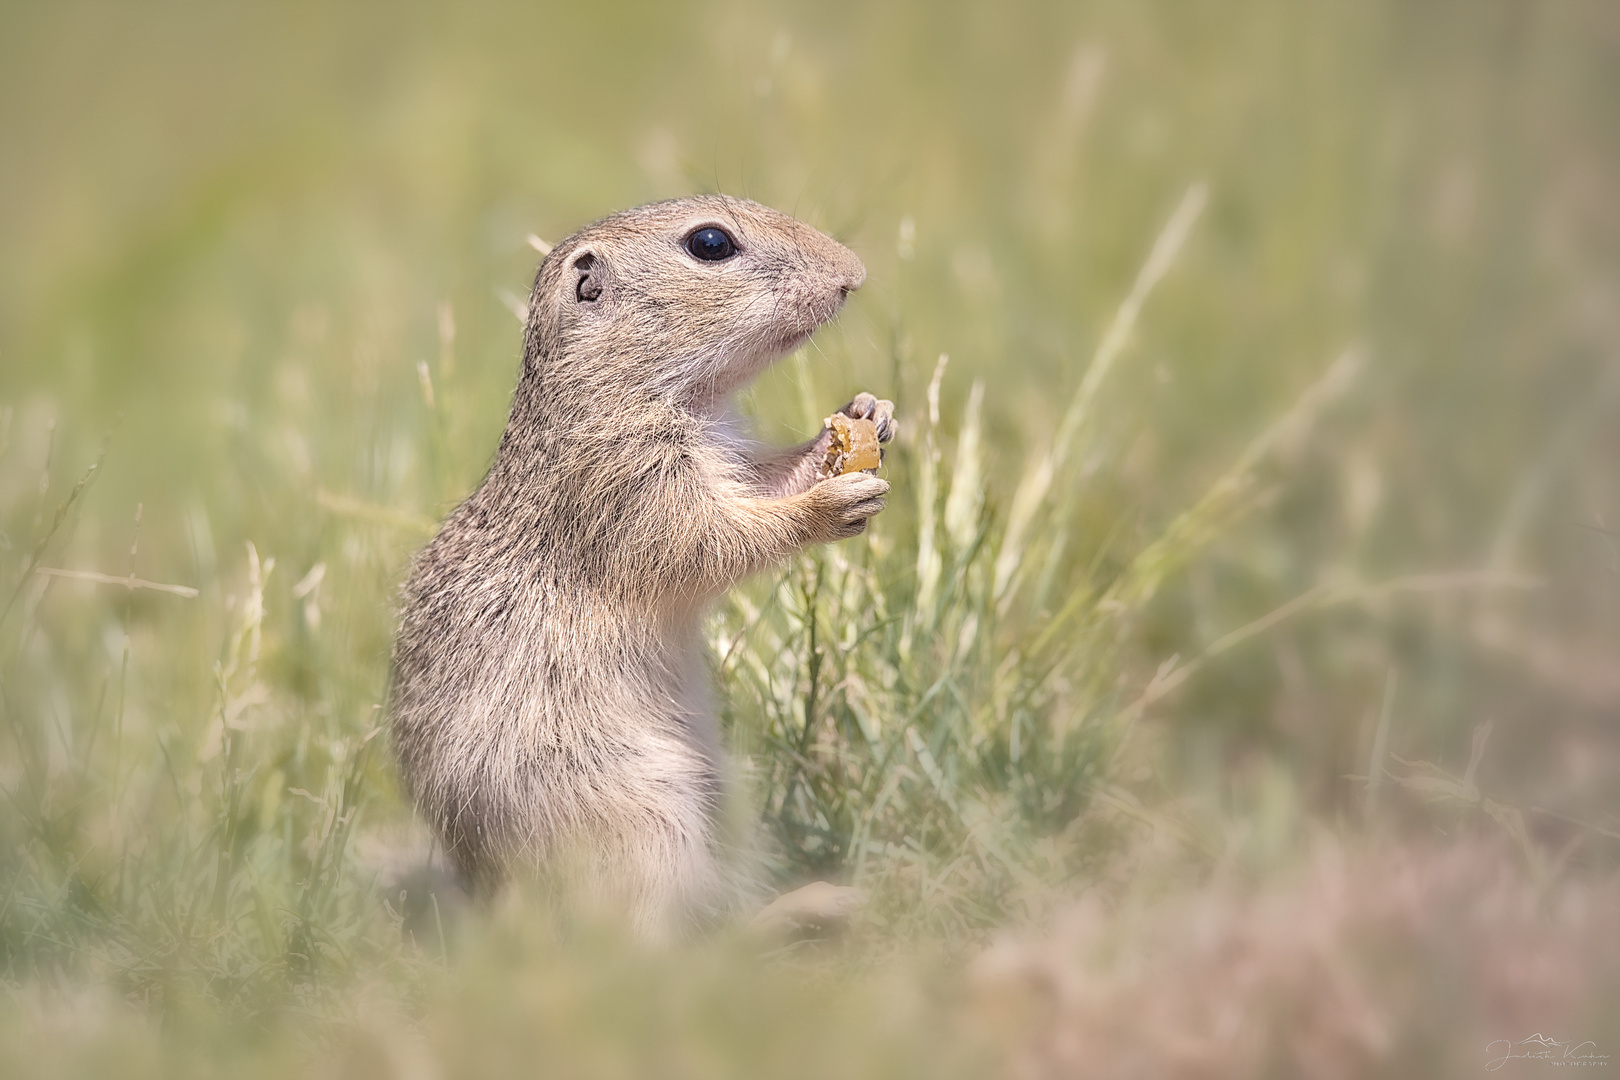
(793, 339)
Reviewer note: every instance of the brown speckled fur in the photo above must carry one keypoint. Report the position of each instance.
(549, 685)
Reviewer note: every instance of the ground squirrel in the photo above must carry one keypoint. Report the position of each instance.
(549, 689)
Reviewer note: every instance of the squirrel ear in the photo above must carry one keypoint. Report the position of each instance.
(590, 278)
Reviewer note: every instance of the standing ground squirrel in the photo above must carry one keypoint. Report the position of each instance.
(549, 694)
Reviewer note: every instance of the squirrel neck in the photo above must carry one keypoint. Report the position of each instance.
(562, 431)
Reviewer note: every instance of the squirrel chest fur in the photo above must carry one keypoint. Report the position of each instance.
(549, 691)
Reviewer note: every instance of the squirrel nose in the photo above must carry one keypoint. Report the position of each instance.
(854, 275)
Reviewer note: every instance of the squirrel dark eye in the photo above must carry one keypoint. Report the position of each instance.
(711, 245)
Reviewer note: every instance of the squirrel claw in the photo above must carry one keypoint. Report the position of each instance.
(842, 504)
(878, 410)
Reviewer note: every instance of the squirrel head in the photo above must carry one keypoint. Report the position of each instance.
(687, 300)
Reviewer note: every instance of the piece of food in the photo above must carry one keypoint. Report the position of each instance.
(854, 446)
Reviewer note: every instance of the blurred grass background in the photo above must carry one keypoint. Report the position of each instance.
(258, 266)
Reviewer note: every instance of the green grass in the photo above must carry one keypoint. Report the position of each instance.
(1273, 451)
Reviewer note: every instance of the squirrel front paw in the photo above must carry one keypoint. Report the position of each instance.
(841, 505)
(875, 409)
